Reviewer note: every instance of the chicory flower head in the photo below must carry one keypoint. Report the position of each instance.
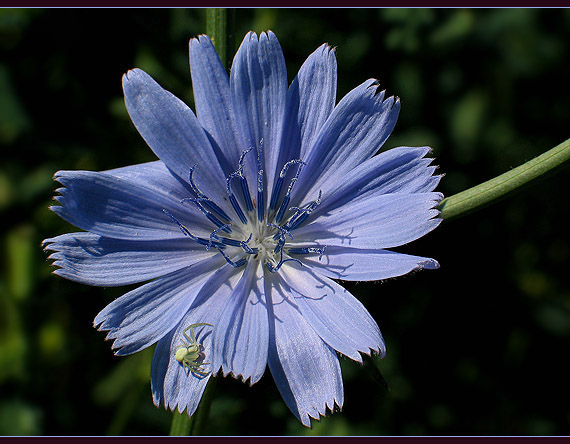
(258, 203)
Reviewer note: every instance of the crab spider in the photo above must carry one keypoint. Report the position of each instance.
(190, 351)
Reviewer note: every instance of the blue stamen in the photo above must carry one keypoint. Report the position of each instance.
(260, 197)
(307, 250)
(244, 187)
(301, 214)
(233, 199)
(282, 208)
(230, 242)
(281, 262)
(279, 249)
(281, 178)
(213, 235)
(205, 198)
(246, 247)
(246, 195)
(211, 216)
(287, 197)
(187, 232)
(296, 221)
(281, 236)
(276, 191)
(237, 264)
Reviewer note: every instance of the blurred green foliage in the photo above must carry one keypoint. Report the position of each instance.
(479, 347)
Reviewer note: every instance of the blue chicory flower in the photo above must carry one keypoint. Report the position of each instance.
(258, 203)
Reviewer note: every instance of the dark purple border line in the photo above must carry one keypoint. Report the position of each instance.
(283, 3)
(297, 440)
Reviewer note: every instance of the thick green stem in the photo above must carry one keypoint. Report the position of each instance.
(501, 186)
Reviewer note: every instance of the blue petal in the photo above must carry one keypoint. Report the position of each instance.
(310, 100)
(211, 86)
(95, 260)
(155, 175)
(306, 370)
(241, 335)
(258, 83)
(172, 131)
(399, 170)
(351, 264)
(356, 129)
(144, 315)
(121, 208)
(378, 222)
(336, 315)
(172, 385)
(159, 366)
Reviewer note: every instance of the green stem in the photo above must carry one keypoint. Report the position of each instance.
(184, 425)
(181, 424)
(220, 23)
(501, 186)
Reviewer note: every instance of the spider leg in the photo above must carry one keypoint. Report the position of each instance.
(193, 336)
(200, 372)
(192, 327)
(190, 341)
(197, 369)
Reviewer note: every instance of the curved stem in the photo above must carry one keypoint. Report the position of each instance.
(501, 186)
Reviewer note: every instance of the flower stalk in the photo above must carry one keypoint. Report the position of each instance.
(181, 424)
(501, 186)
(220, 27)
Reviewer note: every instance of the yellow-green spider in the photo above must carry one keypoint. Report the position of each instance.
(190, 352)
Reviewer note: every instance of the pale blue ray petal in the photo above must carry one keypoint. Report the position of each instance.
(384, 221)
(241, 335)
(399, 170)
(352, 264)
(172, 131)
(121, 208)
(356, 129)
(177, 387)
(305, 369)
(94, 260)
(317, 94)
(158, 368)
(142, 316)
(336, 315)
(211, 86)
(310, 100)
(258, 83)
(157, 176)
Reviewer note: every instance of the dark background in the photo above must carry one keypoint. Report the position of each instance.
(478, 347)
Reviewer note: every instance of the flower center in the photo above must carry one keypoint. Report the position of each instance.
(258, 236)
